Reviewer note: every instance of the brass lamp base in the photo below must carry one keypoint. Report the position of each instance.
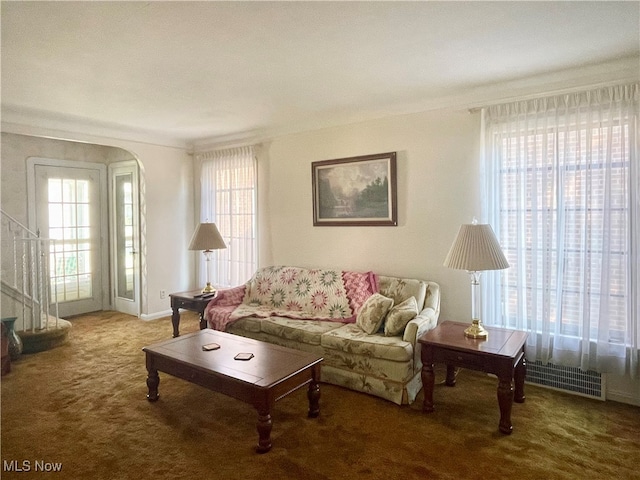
(208, 288)
(476, 330)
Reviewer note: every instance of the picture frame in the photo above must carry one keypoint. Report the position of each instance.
(355, 191)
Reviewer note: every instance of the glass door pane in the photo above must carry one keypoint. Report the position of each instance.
(125, 260)
(69, 222)
(124, 233)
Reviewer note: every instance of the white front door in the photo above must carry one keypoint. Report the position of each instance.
(125, 240)
(69, 206)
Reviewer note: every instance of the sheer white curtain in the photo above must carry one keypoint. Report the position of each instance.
(561, 189)
(228, 198)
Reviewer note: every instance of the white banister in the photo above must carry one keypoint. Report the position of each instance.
(26, 274)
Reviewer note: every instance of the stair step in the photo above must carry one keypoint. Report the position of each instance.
(45, 339)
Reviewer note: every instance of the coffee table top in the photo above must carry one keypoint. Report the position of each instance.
(500, 341)
(269, 365)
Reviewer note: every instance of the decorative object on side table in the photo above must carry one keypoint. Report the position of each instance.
(15, 343)
(476, 249)
(207, 238)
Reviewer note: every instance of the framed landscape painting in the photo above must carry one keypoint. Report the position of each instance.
(355, 191)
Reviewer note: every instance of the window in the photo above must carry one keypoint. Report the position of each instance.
(561, 185)
(228, 186)
(70, 227)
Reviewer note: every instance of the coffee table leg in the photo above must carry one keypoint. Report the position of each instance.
(505, 401)
(313, 394)
(153, 380)
(264, 431)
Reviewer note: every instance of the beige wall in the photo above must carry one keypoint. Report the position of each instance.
(438, 189)
(438, 164)
(168, 199)
(15, 151)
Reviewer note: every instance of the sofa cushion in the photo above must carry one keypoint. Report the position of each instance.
(250, 324)
(306, 294)
(399, 316)
(372, 313)
(401, 289)
(304, 331)
(352, 340)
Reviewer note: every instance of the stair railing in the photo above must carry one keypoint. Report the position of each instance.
(26, 274)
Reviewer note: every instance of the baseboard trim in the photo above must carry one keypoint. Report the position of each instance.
(623, 397)
(155, 316)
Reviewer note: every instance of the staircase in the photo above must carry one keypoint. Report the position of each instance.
(24, 284)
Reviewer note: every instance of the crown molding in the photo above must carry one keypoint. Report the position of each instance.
(51, 125)
(61, 127)
(621, 70)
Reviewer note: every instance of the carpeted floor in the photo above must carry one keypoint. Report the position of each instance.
(83, 406)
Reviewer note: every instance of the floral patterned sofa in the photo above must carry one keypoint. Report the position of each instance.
(365, 325)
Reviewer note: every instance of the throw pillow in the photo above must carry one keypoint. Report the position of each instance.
(372, 313)
(399, 316)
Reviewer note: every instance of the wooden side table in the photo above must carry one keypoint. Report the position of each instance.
(188, 301)
(502, 354)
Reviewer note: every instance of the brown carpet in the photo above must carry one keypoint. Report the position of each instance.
(83, 406)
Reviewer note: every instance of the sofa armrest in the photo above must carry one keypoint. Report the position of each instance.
(219, 309)
(425, 321)
(228, 296)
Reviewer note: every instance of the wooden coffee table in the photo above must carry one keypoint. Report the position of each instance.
(502, 354)
(271, 374)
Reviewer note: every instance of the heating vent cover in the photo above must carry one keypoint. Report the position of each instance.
(567, 379)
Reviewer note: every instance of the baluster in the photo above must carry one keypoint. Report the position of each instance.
(31, 276)
(15, 260)
(23, 290)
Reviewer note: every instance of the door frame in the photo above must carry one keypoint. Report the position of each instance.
(32, 162)
(112, 169)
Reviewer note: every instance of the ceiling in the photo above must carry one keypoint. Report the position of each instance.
(189, 73)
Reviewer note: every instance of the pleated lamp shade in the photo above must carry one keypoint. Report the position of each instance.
(207, 237)
(476, 248)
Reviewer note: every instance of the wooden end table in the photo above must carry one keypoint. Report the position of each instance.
(502, 354)
(188, 301)
(271, 374)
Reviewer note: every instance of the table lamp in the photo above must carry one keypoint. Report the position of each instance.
(475, 249)
(207, 238)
